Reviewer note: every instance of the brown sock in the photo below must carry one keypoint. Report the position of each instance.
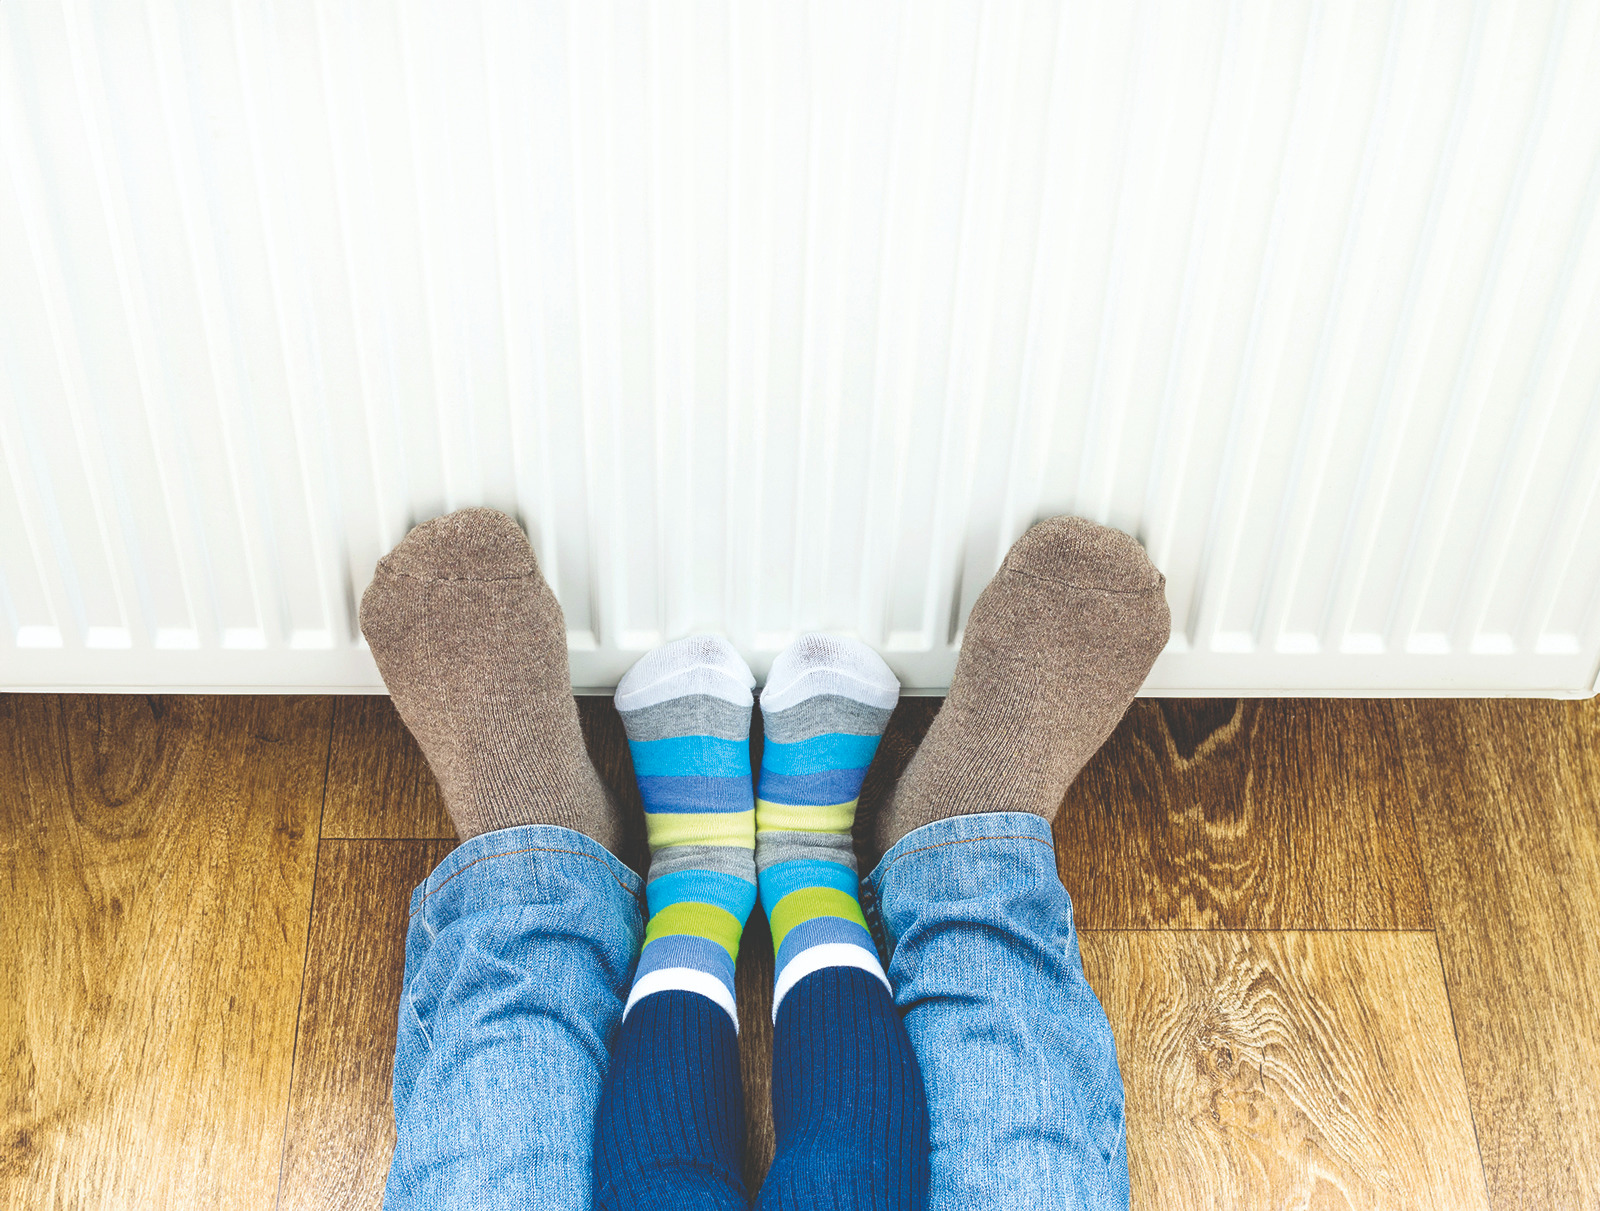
(1053, 653)
(471, 643)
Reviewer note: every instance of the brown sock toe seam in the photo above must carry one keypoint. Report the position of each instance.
(454, 579)
(1086, 588)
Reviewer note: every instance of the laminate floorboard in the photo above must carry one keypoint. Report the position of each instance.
(1249, 814)
(379, 785)
(1287, 1070)
(340, 1132)
(1334, 938)
(157, 859)
(1507, 797)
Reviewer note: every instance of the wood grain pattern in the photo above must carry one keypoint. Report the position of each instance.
(1507, 798)
(1256, 814)
(340, 1132)
(379, 785)
(1287, 1070)
(158, 858)
(157, 861)
(753, 990)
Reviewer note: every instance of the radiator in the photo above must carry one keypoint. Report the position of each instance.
(769, 317)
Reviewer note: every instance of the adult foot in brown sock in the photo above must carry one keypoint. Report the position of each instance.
(1054, 650)
(471, 643)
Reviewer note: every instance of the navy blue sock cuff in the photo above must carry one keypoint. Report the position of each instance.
(847, 1100)
(670, 1125)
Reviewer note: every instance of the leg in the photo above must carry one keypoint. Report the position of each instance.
(670, 1122)
(847, 1099)
(1025, 1099)
(521, 943)
(1024, 1095)
(518, 955)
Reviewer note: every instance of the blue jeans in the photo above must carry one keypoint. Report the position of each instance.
(518, 960)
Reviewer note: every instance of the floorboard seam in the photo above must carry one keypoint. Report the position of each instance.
(1424, 864)
(1461, 1059)
(305, 958)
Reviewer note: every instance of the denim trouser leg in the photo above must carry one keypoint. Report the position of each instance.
(520, 950)
(1024, 1095)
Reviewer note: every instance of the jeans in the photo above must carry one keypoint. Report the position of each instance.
(518, 959)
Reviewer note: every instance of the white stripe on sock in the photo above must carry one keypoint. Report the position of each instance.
(684, 979)
(815, 958)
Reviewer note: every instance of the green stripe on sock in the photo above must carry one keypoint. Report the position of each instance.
(701, 828)
(806, 904)
(701, 920)
(804, 817)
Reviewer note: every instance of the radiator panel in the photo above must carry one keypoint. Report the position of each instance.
(765, 318)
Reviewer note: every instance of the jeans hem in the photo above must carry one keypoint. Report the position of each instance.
(952, 830)
(521, 841)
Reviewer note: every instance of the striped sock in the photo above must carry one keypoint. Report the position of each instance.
(823, 709)
(686, 709)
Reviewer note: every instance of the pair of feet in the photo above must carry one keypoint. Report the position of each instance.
(472, 646)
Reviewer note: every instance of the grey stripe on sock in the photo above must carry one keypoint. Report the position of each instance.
(772, 848)
(728, 859)
(691, 715)
(823, 714)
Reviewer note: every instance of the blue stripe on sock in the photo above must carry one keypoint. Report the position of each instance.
(736, 895)
(709, 756)
(828, 786)
(686, 950)
(829, 751)
(817, 931)
(778, 881)
(692, 793)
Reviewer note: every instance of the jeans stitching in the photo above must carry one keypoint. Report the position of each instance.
(963, 841)
(532, 849)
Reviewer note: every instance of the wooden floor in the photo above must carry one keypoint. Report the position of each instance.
(1350, 949)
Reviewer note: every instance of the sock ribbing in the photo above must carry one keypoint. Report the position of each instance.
(472, 647)
(670, 1123)
(848, 1104)
(824, 709)
(686, 709)
(1054, 650)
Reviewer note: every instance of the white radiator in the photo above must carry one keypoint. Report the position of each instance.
(766, 317)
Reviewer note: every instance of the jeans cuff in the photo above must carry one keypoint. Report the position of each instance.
(517, 864)
(1005, 827)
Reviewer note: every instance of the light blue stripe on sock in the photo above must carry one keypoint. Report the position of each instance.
(831, 751)
(709, 756)
(691, 793)
(810, 790)
(814, 933)
(686, 950)
(778, 881)
(736, 895)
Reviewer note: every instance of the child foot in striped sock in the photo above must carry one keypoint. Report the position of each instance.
(823, 710)
(686, 708)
